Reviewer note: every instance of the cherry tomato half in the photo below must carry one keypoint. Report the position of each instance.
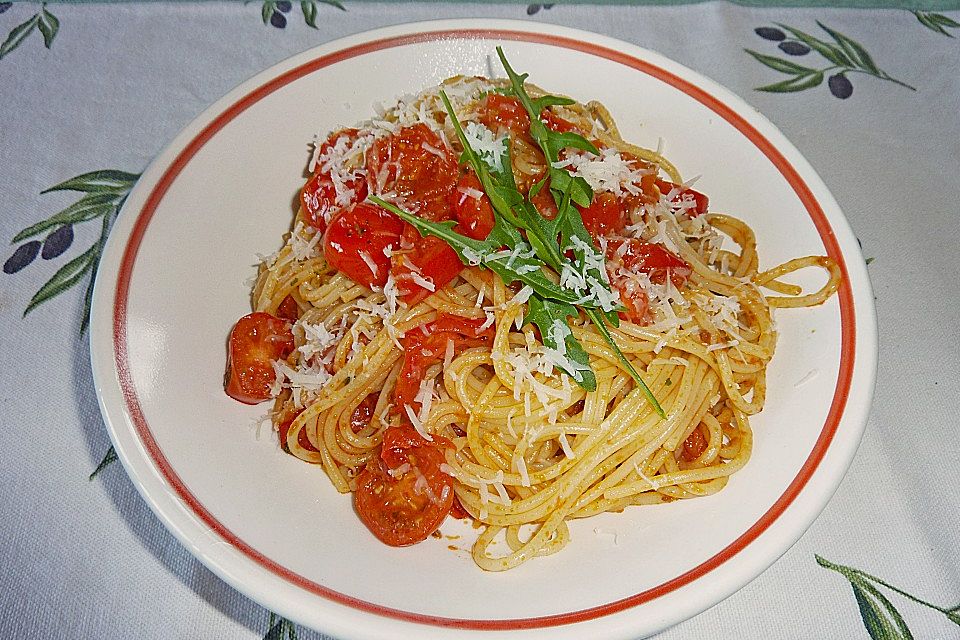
(653, 259)
(471, 207)
(404, 507)
(604, 216)
(701, 201)
(255, 342)
(319, 195)
(428, 346)
(415, 164)
(430, 258)
(498, 112)
(355, 240)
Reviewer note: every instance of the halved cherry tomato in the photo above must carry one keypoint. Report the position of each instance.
(402, 496)
(423, 347)
(363, 414)
(471, 207)
(555, 122)
(255, 342)
(499, 112)
(653, 259)
(415, 164)
(284, 428)
(288, 309)
(702, 202)
(694, 445)
(604, 216)
(642, 257)
(430, 258)
(355, 240)
(319, 195)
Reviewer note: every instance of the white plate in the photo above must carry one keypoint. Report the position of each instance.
(173, 280)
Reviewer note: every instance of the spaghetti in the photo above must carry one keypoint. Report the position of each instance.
(428, 376)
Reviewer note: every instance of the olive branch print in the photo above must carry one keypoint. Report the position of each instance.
(274, 11)
(105, 192)
(280, 628)
(845, 55)
(43, 20)
(937, 22)
(880, 618)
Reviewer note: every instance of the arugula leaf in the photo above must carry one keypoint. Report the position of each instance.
(546, 314)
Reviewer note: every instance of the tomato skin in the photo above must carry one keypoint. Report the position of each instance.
(433, 259)
(403, 164)
(426, 347)
(405, 509)
(702, 202)
(319, 196)
(604, 216)
(474, 215)
(556, 123)
(499, 112)
(653, 259)
(362, 227)
(255, 342)
(642, 257)
(694, 445)
(288, 309)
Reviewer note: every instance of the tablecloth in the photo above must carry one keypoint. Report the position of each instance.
(89, 94)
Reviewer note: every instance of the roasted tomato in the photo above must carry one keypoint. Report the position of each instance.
(685, 194)
(414, 164)
(288, 309)
(402, 496)
(426, 346)
(641, 257)
(694, 445)
(255, 342)
(499, 112)
(355, 241)
(555, 122)
(319, 195)
(604, 216)
(471, 207)
(431, 259)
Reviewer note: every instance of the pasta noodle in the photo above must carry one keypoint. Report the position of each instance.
(531, 448)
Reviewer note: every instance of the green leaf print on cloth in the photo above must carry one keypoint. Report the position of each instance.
(105, 191)
(880, 618)
(845, 56)
(43, 21)
(937, 22)
(274, 12)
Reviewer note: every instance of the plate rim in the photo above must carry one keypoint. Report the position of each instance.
(858, 338)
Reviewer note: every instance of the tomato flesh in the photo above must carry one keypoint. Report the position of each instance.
(425, 347)
(319, 196)
(642, 257)
(404, 507)
(432, 259)
(414, 164)
(694, 445)
(473, 210)
(356, 239)
(685, 194)
(255, 342)
(604, 216)
(498, 112)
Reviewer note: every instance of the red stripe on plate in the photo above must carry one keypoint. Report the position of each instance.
(813, 208)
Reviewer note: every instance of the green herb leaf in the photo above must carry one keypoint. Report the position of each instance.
(853, 49)
(880, 617)
(309, 9)
(546, 314)
(17, 35)
(831, 52)
(104, 181)
(109, 458)
(778, 64)
(67, 276)
(797, 83)
(86, 208)
(49, 26)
